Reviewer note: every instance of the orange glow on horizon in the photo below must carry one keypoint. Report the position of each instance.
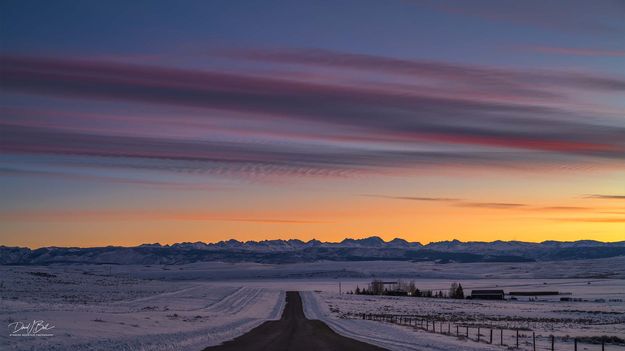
(413, 220)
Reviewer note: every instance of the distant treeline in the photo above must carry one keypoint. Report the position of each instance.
(402, 288)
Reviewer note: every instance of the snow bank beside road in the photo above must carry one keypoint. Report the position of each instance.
(390, 336)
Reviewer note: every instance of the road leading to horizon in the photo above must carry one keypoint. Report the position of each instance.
(293, 332)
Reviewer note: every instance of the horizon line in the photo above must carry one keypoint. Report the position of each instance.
(313, 239)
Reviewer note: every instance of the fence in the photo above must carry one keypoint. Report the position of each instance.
(520, 338)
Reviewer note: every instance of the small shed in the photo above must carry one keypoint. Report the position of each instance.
(487, 294)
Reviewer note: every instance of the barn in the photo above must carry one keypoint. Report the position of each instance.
(487, 294)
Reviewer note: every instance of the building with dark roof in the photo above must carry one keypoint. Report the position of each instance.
(487, 294)
(533, 293)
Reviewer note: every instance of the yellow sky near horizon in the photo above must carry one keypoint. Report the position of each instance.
(421, 219)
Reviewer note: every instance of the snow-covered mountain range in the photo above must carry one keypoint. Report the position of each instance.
(289, 251)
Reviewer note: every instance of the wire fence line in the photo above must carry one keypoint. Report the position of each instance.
(518, 338)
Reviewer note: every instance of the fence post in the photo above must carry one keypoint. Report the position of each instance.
(467, 331)
(457, 330)
(449, 328)
(478, 334)
(501, 337)
(575, 341)
(602, 344)
(491, 336)
(517, 338)
(552, 343)
(534, 340)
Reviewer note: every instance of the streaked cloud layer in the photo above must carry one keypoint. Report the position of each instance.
(358, 127)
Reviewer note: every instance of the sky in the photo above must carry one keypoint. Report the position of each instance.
(129, 122)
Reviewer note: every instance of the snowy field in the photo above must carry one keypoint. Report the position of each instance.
(97, 312)
(544, 317)
(613, 268)
(189, 307)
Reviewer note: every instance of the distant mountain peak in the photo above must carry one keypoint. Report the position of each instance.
(151, 245)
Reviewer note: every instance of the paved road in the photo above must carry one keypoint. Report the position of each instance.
(293, 332)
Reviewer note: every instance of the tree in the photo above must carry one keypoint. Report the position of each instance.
(411, 288)
(459, 292)
(453, 290)
(456, 292)
(376, 287)
(357, 290)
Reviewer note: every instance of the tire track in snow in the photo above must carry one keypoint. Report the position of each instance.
(236, 302)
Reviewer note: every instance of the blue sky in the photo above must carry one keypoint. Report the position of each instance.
(278, 119)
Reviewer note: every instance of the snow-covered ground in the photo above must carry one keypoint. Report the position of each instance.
(192, 306)
(389, 336)
(98, 312)
(343, 313)
(608, 268)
